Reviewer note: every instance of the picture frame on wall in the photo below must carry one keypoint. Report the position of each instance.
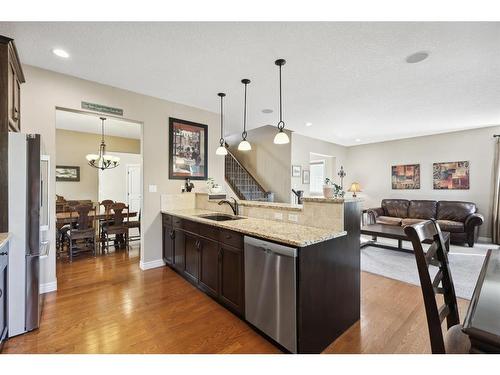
(405, 177)
(188, 153)
(451, 175)
(65, 173)
(296, 170)
(306, 177)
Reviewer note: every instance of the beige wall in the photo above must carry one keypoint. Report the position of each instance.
(267, 162)
(71, 149)
(45, 90)
(370, 165)
(302, 147)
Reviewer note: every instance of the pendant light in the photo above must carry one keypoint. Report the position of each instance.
(221, 150)
(281, 138)
(102, 160)
(244, 144)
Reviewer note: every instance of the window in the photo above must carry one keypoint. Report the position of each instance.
(317, 170)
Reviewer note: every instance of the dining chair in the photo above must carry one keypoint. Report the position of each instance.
(115, 224)
(131, 224)
(454, 341)
(106, 207)
(82, 238)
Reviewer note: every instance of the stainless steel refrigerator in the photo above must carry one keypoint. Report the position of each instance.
(24, 226)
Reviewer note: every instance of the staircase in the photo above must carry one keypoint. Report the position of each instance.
(245, 186)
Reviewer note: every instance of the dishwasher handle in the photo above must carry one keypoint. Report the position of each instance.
(270, 247)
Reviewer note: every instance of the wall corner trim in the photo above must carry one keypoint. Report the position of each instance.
(151, 264)
(48, 287)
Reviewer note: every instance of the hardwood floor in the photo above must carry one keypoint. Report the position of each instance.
(108, 305)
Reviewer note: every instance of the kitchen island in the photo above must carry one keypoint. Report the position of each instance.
(211, 255)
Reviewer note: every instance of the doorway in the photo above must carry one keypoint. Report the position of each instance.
(79, 139)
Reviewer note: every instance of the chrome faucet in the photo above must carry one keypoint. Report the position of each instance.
(234, 205)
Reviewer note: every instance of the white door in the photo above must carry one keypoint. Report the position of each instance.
(134, 187)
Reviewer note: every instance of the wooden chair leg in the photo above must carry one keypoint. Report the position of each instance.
(70, 250)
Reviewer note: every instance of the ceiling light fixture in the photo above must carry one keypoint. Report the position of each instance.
(244, 144)
(281, 138)
(417, 57)
(103, 161)
(60, 52)
(221, 150)
(267, 111)
(309, 124)
(358, 140)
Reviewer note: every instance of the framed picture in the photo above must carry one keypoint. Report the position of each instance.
(67, 173)
(306, 177)
(406, 176)
(187, 150)
(296, 169)
(451, 175)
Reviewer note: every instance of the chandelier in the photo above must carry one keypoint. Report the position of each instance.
(103, 161)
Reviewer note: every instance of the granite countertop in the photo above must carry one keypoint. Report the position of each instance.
(4, 237)
(279, 231)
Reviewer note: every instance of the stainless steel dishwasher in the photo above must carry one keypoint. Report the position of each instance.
(270, 290)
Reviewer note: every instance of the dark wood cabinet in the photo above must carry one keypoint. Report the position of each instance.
(192, 257)
(11, 78)
(209, 266)
(168, 244)
(231, 278)
(209, 257)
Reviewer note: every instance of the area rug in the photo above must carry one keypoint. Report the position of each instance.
(465, 265)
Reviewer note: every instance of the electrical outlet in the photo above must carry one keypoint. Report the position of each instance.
(278, 216)
(293, 217)
(152, 188)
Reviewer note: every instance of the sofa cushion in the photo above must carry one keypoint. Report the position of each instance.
(451, 226)
(389, 220)
(455, 211)
(395, 207)
(422, 209)
(410, 221)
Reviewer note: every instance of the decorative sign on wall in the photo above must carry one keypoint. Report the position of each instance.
(188, 150)
(67, 173)
(406, 176)
(451, 175)
(102, 108)
(296, 169)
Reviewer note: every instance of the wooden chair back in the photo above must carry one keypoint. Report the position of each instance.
(84, 221)
(107, 203)
(118, 213)
(442, 283)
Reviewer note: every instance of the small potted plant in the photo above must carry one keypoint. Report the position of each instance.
(212, 187)
(332, 190)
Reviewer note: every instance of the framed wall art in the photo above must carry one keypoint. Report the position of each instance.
(406, 176)
(67, 173)
(188, 156)
(306, 177)
(451, 175)
(296, 169)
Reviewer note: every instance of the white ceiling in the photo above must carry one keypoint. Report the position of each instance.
(349, 79)
(80, 122)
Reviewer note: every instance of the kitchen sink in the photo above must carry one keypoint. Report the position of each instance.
(220, 217)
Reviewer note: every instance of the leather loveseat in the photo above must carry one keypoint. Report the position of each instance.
(459, 218)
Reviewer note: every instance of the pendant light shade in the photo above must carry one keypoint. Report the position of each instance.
(281, 138)
(102, 160)
(244, 144)
(221, 150)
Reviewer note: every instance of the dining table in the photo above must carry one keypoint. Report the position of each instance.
(482, 322)
(72, 217)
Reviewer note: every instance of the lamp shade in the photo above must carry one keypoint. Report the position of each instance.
(355, 188)
(281, 138)
(244, 145)
(221, 150)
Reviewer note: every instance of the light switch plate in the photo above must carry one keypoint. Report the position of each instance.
(152, 188)
(293, 217)
(278, 216)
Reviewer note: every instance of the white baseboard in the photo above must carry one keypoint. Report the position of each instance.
(152, 264)
(485, 239)
(48, 287)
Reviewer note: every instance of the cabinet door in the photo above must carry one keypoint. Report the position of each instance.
(3, 303)
(168, 244)
(209, 267)
(179, 250)
(192, 259)
(231, 278)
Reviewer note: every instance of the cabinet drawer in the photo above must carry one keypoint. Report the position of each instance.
(231, 238)
(209, 231)
(176, 222)
(190, 226)
(166, 220)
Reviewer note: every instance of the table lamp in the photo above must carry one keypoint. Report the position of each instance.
(355, 188)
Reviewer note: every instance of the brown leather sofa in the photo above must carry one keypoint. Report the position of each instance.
(459, 218)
